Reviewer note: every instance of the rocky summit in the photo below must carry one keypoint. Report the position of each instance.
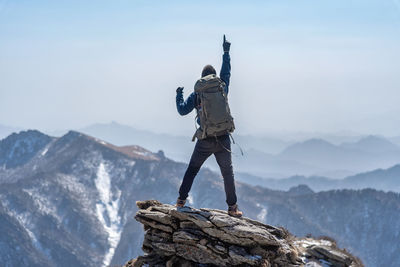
(209, 237)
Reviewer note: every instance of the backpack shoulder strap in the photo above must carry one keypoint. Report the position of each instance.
(197, 100)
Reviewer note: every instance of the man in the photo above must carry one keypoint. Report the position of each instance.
(210, 140)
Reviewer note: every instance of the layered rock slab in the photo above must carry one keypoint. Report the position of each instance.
(207, 237)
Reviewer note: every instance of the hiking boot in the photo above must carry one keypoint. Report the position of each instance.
(234, 211)
(180, 203)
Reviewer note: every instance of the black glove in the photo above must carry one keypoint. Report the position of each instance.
(179, 90)
(226, 45)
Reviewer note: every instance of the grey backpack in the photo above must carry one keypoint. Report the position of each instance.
(214, 113)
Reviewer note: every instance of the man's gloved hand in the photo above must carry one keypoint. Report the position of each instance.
(179, 90)
(226, 45)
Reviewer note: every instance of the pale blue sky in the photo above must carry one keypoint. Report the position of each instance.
(309, 66)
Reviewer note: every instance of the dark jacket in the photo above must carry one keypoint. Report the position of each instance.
(185, 107)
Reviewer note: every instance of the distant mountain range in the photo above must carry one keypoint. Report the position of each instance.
(270, 157)
(380, 179)
(69, 201)
(321, 158)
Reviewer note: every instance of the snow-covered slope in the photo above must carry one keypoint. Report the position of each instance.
(72, 199)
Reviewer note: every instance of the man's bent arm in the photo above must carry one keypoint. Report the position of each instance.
(184, 107)
(225, 74)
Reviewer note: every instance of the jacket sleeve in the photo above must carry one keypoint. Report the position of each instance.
(225, 74)
(185, 107)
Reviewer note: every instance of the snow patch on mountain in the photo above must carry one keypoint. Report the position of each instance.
(107, 211)
(43, 204)
(100, 141)
(45, 151)
(142, 153)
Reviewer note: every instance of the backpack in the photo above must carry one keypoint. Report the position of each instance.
(214, 113)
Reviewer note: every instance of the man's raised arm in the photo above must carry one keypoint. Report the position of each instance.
(225, 73)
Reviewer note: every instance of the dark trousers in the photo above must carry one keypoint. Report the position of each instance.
(220, 147)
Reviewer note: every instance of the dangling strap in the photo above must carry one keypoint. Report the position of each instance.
(216, 139)
(233, 140)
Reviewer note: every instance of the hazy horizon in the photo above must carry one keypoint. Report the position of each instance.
(309, 66)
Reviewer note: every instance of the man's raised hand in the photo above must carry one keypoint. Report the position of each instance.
(226, 45)
(179, 90)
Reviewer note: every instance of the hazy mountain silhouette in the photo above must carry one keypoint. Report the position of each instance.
(368, 153)
(317, 157)
(373, 144)
(380, 179)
